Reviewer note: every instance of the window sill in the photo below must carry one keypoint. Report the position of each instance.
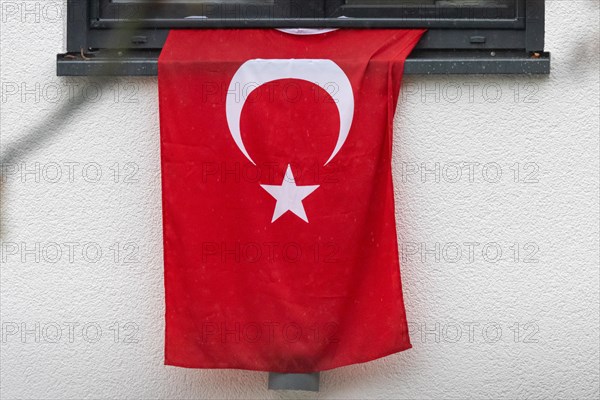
(426, 62)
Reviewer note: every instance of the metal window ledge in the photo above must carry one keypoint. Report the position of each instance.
(145, 63)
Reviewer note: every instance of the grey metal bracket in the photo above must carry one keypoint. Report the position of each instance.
(427, 62)
(309, 382)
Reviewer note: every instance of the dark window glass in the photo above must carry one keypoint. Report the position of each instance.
(423, 9)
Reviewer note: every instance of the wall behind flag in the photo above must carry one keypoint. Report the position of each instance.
(497, 211)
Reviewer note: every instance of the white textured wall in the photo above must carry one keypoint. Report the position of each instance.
(543, 298)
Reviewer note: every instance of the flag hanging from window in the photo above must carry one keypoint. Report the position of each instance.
(278, 208)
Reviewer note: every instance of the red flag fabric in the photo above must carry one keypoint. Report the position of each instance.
(279, 231)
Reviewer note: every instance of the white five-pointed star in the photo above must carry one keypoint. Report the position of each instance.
(289, 196)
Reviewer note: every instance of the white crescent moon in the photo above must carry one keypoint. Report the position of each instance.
(254, 73)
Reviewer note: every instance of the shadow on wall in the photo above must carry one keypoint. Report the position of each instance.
(39, 135)
(50, 126)
(588, 48)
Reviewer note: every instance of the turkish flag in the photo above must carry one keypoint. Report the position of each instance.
(279, 232)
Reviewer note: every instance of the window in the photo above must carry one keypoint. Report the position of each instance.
(124, 37)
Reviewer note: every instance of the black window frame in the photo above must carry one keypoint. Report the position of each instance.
(108, 38)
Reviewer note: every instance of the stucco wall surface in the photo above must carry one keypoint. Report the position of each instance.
(497, 190)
